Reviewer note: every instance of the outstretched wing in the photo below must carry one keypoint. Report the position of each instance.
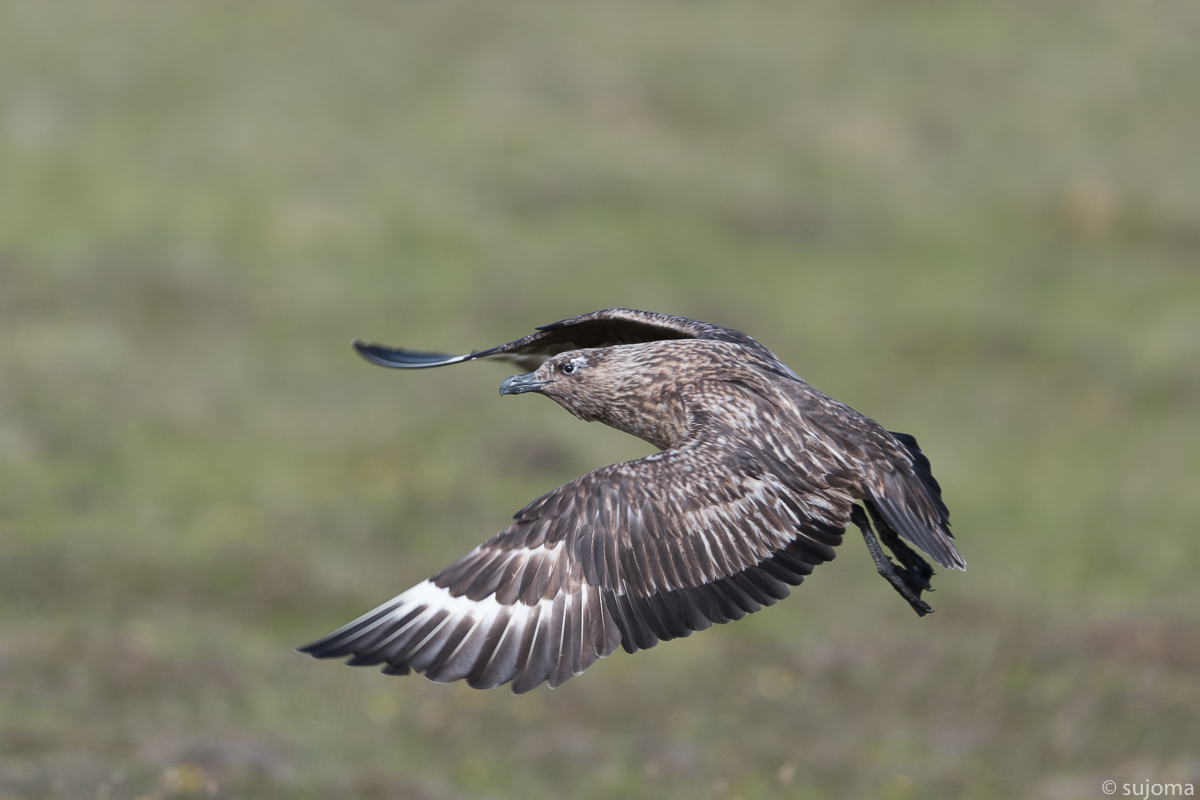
(599, 329)
(629, 554)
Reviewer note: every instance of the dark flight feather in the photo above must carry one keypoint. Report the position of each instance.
(753, 488)
(600, 329)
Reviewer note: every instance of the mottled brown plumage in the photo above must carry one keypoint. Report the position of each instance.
(756, 480)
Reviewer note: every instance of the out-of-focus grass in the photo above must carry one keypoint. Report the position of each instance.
(977, 223)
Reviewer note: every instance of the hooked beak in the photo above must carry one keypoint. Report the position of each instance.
(519, 384)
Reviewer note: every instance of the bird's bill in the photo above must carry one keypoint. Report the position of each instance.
(519, 384)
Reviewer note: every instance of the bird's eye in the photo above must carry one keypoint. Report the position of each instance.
(569, 368)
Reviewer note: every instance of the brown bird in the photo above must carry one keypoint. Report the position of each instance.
(757, 477)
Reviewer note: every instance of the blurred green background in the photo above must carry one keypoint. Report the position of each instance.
(977, 223)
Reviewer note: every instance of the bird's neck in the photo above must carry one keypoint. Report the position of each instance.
(662, 419)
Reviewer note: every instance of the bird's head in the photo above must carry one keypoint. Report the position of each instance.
(629, 387)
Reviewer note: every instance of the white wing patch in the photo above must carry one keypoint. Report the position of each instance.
(450, 638)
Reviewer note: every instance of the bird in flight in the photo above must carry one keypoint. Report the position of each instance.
(757, 477)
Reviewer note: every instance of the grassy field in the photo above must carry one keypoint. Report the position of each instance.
(977, 223)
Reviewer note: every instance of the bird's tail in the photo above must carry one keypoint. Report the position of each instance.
(912, 505)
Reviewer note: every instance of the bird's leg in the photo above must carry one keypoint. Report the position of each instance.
(917, 571)
(901, 578)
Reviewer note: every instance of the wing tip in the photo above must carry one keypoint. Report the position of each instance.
(399, 358)
(314, 649)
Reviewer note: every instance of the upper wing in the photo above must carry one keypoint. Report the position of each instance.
(629, 554)
(598, 329)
